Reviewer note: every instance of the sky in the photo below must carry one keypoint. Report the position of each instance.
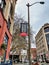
(39, 14)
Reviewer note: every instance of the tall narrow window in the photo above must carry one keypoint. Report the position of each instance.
(47, 39)
(2, 4)
(8, 24)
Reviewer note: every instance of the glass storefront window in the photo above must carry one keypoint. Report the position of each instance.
(3, 48)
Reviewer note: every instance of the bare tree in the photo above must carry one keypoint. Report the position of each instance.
(18, 41)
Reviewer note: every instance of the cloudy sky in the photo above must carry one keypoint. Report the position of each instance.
(39, 14)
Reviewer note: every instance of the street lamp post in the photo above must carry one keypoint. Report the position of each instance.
(29, 55)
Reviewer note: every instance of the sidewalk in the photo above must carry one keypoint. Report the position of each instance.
(44, 63)
(32, 64)
(21, 64)
(25, 64)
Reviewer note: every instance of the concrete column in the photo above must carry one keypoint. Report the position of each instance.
(7, 9)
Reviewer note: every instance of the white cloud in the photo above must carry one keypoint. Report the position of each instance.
(33, 46)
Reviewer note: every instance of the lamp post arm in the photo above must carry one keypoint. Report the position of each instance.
(28, 5)
(34, 3)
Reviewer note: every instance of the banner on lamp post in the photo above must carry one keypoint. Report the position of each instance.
(23, 29)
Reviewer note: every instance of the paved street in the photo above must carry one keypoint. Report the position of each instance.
(21, 64)
(44, 63)
(28, 64)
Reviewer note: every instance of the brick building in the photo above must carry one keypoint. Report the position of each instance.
(7, 8)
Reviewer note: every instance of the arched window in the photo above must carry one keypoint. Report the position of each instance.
(47, 39)
(46, 29)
